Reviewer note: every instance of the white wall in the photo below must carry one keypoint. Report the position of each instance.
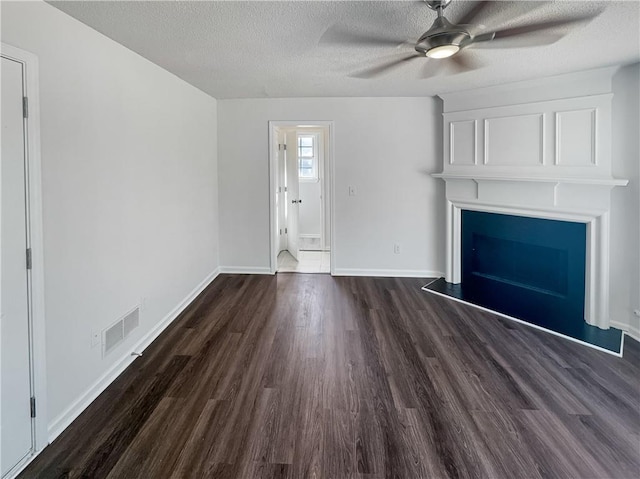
(625, 202)
(385, 147)
(129, 191)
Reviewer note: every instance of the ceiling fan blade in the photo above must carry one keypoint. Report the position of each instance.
(522, 41)
(463, 63)
(474, 14)
(458, 63)
(384, 67)
(430, 69)
(338, 35)
(532, 28)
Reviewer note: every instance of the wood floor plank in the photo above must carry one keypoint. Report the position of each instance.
(309, 440)
(313, 376)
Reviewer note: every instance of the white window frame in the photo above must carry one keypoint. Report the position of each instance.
(315, 159)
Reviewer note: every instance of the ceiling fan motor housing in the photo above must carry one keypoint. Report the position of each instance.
(442, 33)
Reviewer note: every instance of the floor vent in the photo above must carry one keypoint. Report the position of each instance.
(117, 332)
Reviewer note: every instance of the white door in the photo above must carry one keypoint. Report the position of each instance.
(293, 192)
(15, 387)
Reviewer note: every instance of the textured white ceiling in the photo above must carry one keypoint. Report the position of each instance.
(233, 49)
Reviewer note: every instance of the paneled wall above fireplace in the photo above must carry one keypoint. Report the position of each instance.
(529, 133)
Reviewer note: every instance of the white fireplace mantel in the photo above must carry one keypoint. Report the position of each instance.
(518, 150)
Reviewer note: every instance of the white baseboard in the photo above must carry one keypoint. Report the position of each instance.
(630, 330)
(245, 270)
(63, 420)
(388, 273)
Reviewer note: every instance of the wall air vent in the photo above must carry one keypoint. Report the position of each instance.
(117, 332)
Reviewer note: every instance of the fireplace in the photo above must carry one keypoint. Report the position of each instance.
(538, 155)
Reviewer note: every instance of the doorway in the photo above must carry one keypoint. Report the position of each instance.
(301, 186)
(22, 422)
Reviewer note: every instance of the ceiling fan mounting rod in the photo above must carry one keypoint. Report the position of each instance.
(437, 5)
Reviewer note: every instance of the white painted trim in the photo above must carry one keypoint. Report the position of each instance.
(628, 329)
(274, 243)
(21, 466)
(310, 236)
(329, 155)
(535, 179)
(596, 306)
(245, 270)
(388, 273)
(534, 326)
(61, 422)
(38, 339)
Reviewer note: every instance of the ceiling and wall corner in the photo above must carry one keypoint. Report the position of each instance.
(270, 49)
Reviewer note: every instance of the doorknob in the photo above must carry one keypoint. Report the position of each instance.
(296, 201)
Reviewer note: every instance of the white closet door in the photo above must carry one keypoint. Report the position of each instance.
(15, 388)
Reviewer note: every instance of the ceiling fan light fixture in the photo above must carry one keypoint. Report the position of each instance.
(443, 39)
(443, 51)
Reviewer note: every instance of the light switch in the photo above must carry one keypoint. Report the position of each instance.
(352, 191)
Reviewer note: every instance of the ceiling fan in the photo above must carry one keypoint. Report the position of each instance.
(448, 40)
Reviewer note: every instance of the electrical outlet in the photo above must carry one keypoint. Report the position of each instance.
(396, 248)
(95, 338)
(352, 191)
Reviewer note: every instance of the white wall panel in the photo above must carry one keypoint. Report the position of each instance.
(463, 142)
(576, 137)
(553, 138)
(515, 141)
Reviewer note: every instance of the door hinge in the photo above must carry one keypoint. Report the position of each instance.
(280, 230)
(282, 147)
(285, 189)
(28, 258)
(285, 231)
(25, 107)
(32, 402)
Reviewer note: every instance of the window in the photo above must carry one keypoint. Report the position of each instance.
(308, 157)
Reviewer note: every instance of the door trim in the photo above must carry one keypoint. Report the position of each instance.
(35, 242)
(273, 183)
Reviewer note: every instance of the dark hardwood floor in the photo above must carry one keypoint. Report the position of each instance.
(298, 376)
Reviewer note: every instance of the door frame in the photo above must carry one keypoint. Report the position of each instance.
(273, 186)
(37, 339)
